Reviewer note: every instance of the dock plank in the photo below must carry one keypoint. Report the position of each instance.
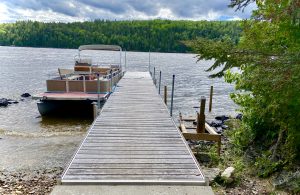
(134, 140)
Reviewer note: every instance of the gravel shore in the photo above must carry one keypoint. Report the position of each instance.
(35, 182)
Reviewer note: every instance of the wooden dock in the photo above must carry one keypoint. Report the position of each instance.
(134, 141)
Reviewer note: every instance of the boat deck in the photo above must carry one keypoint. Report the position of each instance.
(70, 96)
(134, 141)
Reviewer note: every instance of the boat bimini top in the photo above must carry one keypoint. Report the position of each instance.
(83, 60)
(100, 47)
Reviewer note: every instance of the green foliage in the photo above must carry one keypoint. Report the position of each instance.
(215, 158)
(154, 35)
(265, 167)
(267, 81)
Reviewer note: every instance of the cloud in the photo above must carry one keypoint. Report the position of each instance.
(80, 10)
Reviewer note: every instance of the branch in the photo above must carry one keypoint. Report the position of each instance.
(240, 4)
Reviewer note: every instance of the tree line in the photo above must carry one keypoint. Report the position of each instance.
(142, 35)
(267, 85)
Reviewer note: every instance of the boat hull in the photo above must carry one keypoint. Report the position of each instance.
(66, 107)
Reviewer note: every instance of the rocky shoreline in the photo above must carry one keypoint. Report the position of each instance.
(4, 102)
(37, 182)
(215, 167)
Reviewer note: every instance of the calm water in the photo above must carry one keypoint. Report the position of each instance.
(50, 142)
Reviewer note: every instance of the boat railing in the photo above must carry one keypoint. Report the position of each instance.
(86, 60)
(74, 82)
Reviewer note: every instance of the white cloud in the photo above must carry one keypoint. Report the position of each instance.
(4, 14)
(82, 10)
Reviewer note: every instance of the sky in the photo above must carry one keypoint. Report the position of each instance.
(87, 10)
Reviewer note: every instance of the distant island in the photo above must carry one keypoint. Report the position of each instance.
(137, 35)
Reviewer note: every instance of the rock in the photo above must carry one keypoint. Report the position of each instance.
(227, 174)
(250, 154)
(18, 192)
(219, 130)
(287, 180)
(13, 102)
(10, 101)
(3, 102)
(203, 158)
(216, 123)
(25, 95)
(224, 126)
(239, 116)
(211, 173)
(222, 118)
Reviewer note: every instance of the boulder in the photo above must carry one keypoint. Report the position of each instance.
(239, 116)
(222, 118)
(211, 173)
(287, 180)
(194, 122)
(216, 123)
(219, 130)
(227, 174)
(203, 158)
(25, 95)
(3, 102)
(224, 126)
(10, 101)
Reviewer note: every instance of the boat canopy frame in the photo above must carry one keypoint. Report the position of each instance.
(101, 47)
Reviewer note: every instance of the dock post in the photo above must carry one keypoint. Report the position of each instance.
(125, 61)
(149, 62)
(210, 97)
(172, 95)
(154, 76)
(98, 90)
(201, 117)
(159, 82)
(84, 84)
(95, 110)
(165, 95)
(67, 84)
(111, 81)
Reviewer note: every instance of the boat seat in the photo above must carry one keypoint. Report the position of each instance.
(74, 77)
(63, 72)
(83, 68)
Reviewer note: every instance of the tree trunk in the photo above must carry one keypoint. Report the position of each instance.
(279, 139)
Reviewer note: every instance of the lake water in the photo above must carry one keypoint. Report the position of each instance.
(31, 142)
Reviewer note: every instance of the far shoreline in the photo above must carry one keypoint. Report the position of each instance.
(12, 46)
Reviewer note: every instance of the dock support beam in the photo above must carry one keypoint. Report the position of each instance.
(201, 117)
(172, 95)
(166, 95)
(159, 83)
(95, 110)
(98, 90)
(210, 97)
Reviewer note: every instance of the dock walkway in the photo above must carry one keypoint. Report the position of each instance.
(134, 141)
